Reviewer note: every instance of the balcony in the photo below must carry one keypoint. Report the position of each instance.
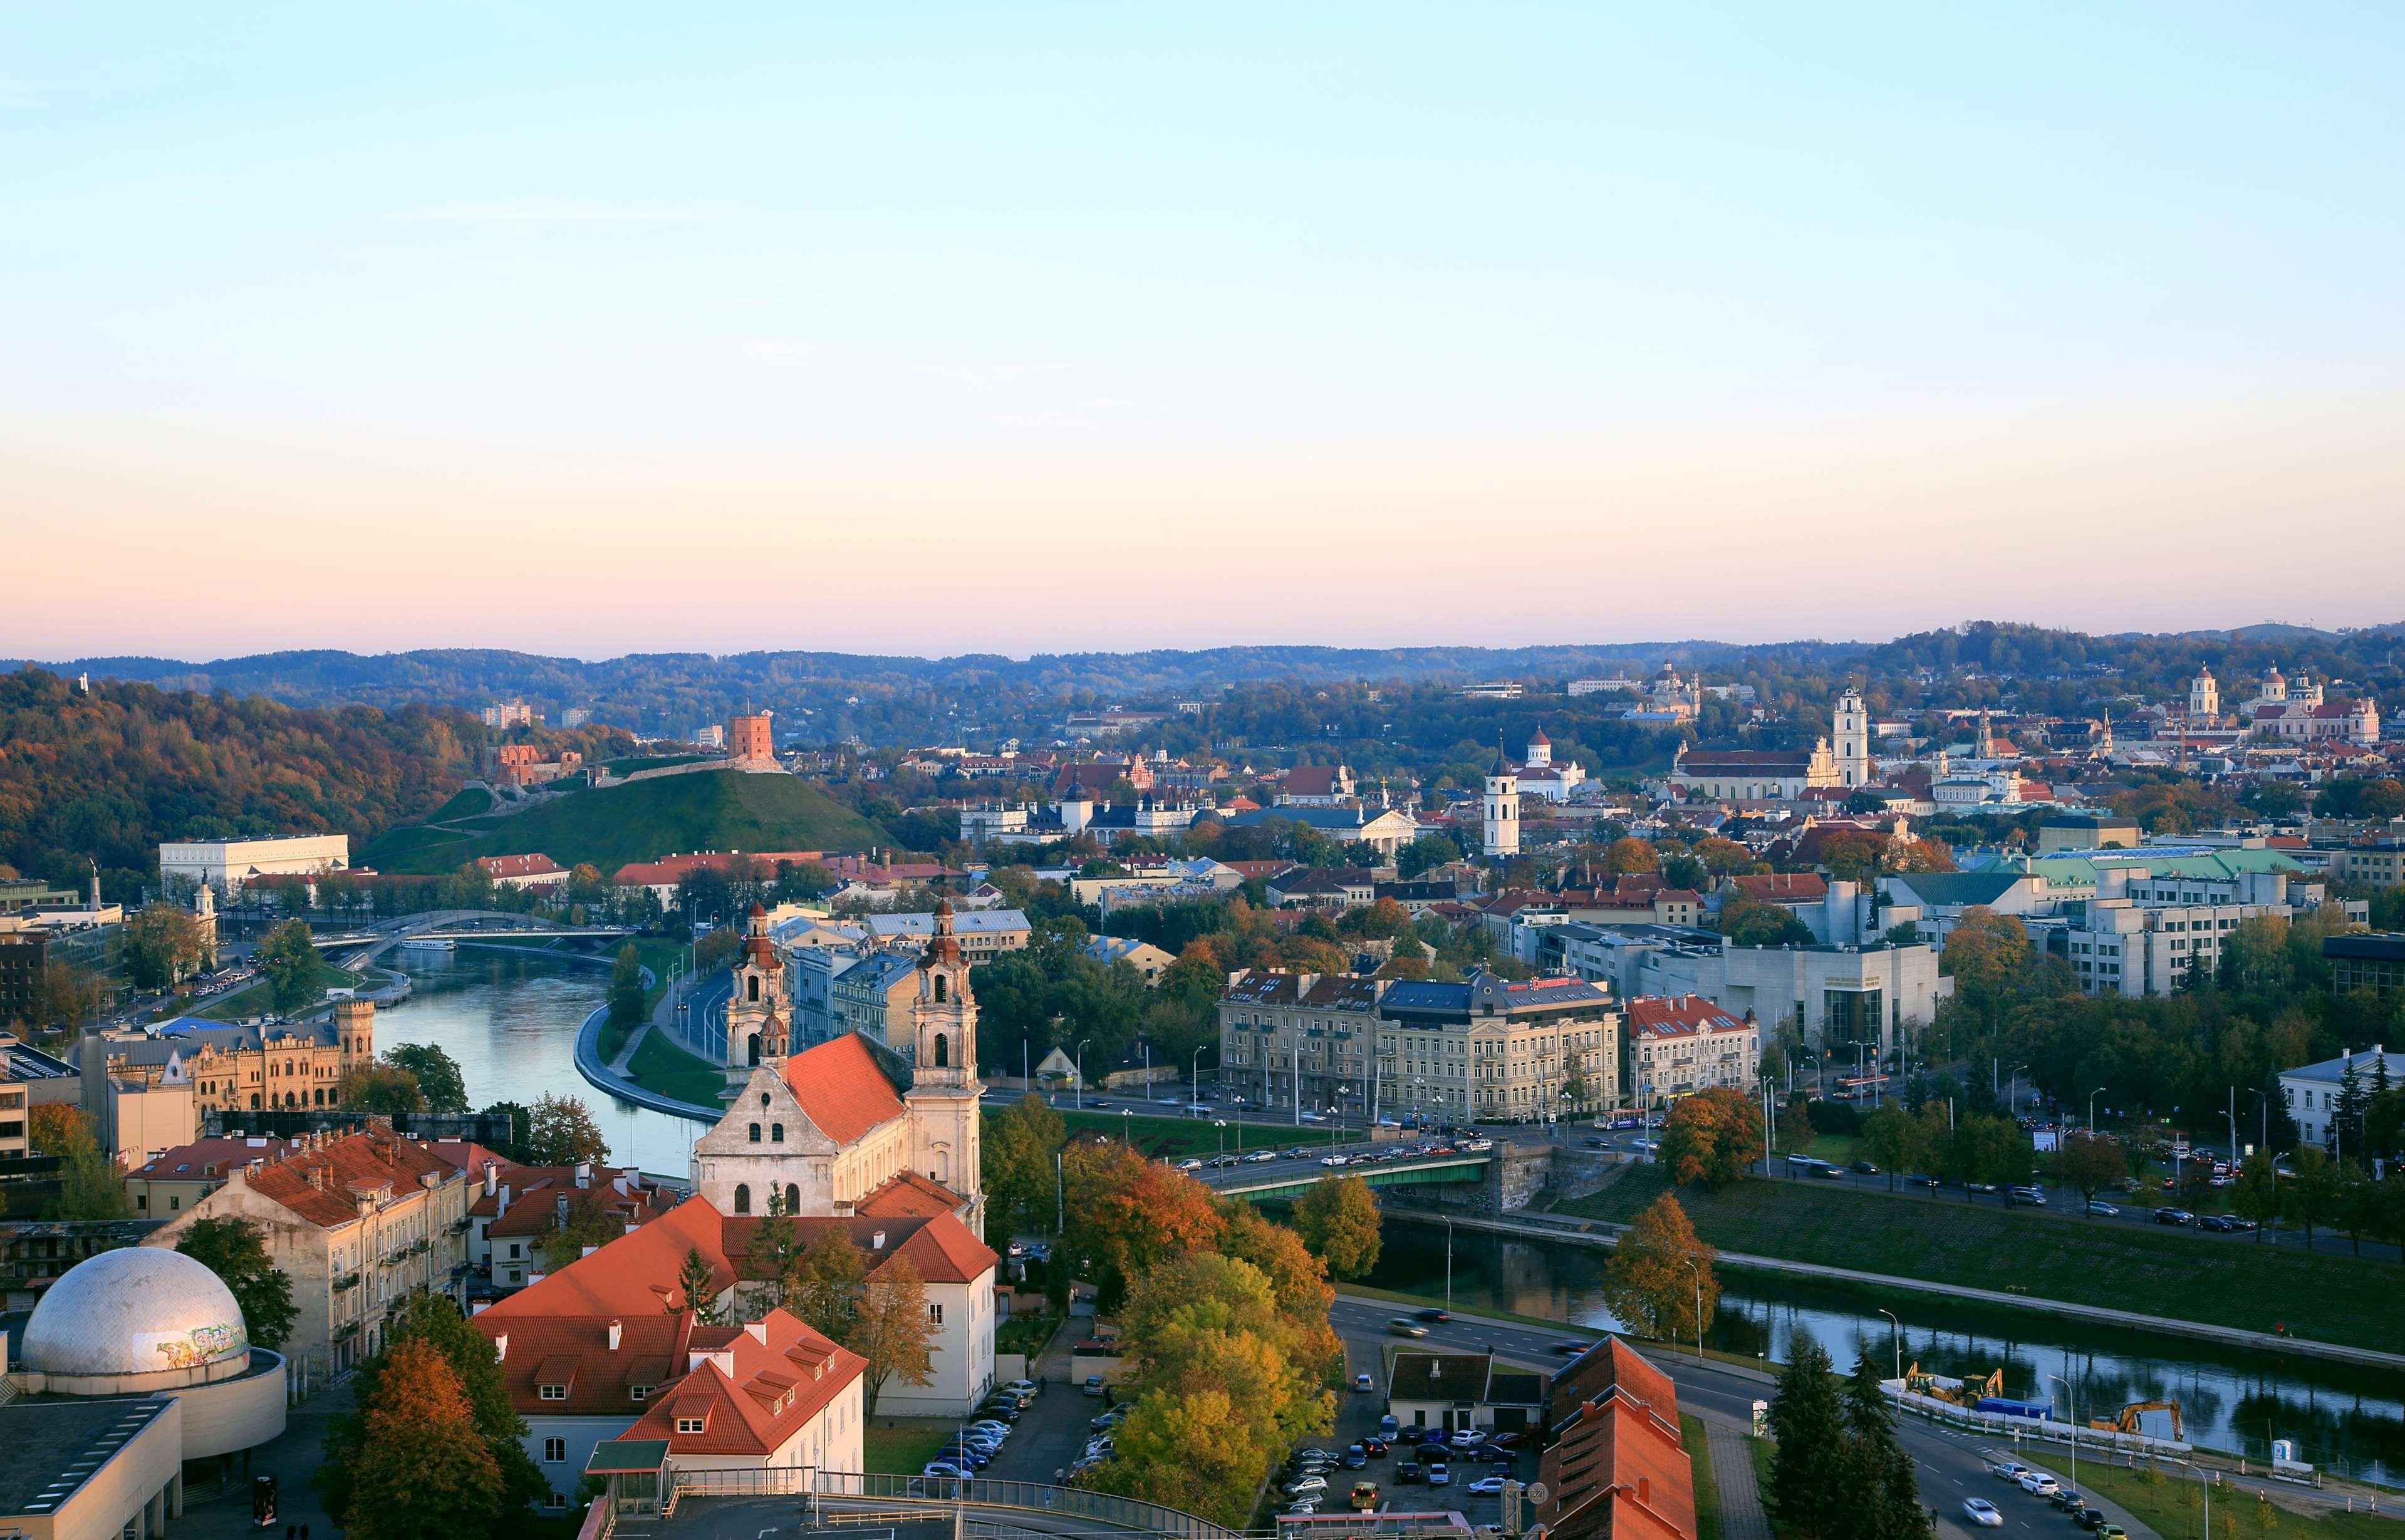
(346, 1282)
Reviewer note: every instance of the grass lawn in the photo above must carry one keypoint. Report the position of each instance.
(659, 1065)
(467, 802)
(255, 999)
(1026, 1334)
(902, 1446)
(1835, 1148)
(1180, 1137)
(658, 955)
(2118, 1267)
(1699, 1458)
(2174, 1508)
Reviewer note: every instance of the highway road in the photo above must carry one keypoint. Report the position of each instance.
(1951, 1466)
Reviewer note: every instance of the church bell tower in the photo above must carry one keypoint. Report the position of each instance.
(756, 1025)
(944, 1086)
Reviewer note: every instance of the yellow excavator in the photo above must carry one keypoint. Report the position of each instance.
(2146, 1417)
(1963, 1392)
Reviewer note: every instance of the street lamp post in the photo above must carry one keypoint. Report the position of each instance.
(1081, 1072)
(1448, 1262)
(1194, 1075)
(1127, 1134)
(1697, 1268)
(2070, 1401)
(2091, 1108)
(1898, 1338)
(1221, 1124)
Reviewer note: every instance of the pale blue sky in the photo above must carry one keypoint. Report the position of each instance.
(894, 278)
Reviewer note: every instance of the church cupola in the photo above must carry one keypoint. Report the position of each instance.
(945, 1013)
(756, 1030)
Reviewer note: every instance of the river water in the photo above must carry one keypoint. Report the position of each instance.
(2343, 1418)
(511, 1020)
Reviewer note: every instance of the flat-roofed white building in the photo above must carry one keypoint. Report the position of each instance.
(224, 863)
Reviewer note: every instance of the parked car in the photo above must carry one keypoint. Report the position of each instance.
(2008, 1470)
(1439, 1476)
(1389, 1426)
(1356, 1456)
(1374, 1446)
(1485, 1484)
(1094, 1385)
(1365, 1496)
(941, 1467)
(2040, 1484)
(2067, 1499)
(1301, 1484)
(1408, 1473)
(1982, 1513)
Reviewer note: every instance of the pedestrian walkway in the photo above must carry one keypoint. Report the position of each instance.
(1741, 1513)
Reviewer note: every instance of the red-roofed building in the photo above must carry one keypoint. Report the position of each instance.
(535, 871)
(1615, 1469)
(358, 1221)
(1679, 1045)
(662, 876)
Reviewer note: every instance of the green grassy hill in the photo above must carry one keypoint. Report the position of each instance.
(644, 820)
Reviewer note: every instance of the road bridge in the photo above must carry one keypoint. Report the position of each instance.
(1290, 1177)
(465, 925)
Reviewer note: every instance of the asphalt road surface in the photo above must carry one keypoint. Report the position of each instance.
(1951, 1466)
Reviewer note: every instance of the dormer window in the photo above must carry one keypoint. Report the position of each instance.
(691, 1424)
(555, 1393)
(636, 1392)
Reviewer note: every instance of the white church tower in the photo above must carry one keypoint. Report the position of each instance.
(1853, 736)
(944, 1088)
(1502, 830)
(2203, 696)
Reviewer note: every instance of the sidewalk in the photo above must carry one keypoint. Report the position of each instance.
(1741, 1514)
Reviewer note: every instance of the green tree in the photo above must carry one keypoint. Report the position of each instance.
(1338, 1219)
(437, 1073)
(2256, 1194)
(1792, 1134)
(420, 1473)
(90, 1185)
(826, 1282)
(1016, 1157)
(626, 990)
(1660, 1274)
(589, 1222)
(1751, 922)
(381, 1087)
(162, 944)
(892, 1331)
(235, 1249)
(2313, 1195)
(286, 957)
(1810, 1474)
(697, 1289)
(2090, 1163)
(774, 1250)
(1892, 1139)
(560, 1131)
(2357, 1207)
(1882, 1489)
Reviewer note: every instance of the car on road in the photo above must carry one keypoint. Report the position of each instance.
(1593, 1142)
(1364, 1383)
(1917, 1178)
(1485, 1484)
(2008, 1470)
(2039, 1483)
(1094, 1385)
(2224, 1223)
(1827, 1172)
(1365, 1496)
(2030, 1196)
(1571, 1349)
(1863, 1168)
(1374, 1446)
(1983, 1513)
(1258, 1156)
(1404, 1326)
(1336, 1161)
(1189, 1163)
(2098, 1207)
(2174, 1216)
(1435, 1317)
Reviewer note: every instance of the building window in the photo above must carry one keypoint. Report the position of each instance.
(555, 1451)
(776, 1133)
(935, 1314)
(636, 1392)
(555, 1500)
(555, 1393)
(755, 1133)
(742, 1197)
(689, 1425)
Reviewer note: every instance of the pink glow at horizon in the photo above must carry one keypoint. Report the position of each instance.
(2091, 515)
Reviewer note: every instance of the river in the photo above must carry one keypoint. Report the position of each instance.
(2346, 1419)
(511, 1019)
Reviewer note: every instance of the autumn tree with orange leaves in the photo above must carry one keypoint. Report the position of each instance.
(1711, 1135)
(422, 1473)
(1127, 1213)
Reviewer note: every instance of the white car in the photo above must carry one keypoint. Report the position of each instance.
(2008, 1470)
(1189, 1165)
(1308, 1483)
(1259, 1156)
(2040, 1483)
(1335, 1160)
(1983, 1513)
(1487, 1484)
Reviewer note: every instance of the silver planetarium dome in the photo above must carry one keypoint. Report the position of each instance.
(139, 1310)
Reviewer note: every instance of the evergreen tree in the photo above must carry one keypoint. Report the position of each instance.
(697, 1289)
(1809, 1471)
(2346, 1122)
(1882, 1488)
(626, 990)
(774, 1252)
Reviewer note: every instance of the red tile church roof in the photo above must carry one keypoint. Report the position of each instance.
(839, 1084)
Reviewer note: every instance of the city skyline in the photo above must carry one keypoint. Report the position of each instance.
(1525, 323)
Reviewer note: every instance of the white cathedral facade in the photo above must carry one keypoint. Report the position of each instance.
(845, 1127)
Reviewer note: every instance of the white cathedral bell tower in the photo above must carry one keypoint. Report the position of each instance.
(944, 1086)
(1853, 740)
(1502, 822)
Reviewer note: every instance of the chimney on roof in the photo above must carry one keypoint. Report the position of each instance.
(877, 1241)
(501, 1347)
(616, 1329)
(1436, 1367)
(503, 1206)
(492, 1177)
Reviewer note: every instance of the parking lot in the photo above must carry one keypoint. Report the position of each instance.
(1357, 1418)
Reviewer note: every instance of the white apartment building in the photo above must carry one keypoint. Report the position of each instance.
(1676, 1047)
(223, 863)
(2311, 1091)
